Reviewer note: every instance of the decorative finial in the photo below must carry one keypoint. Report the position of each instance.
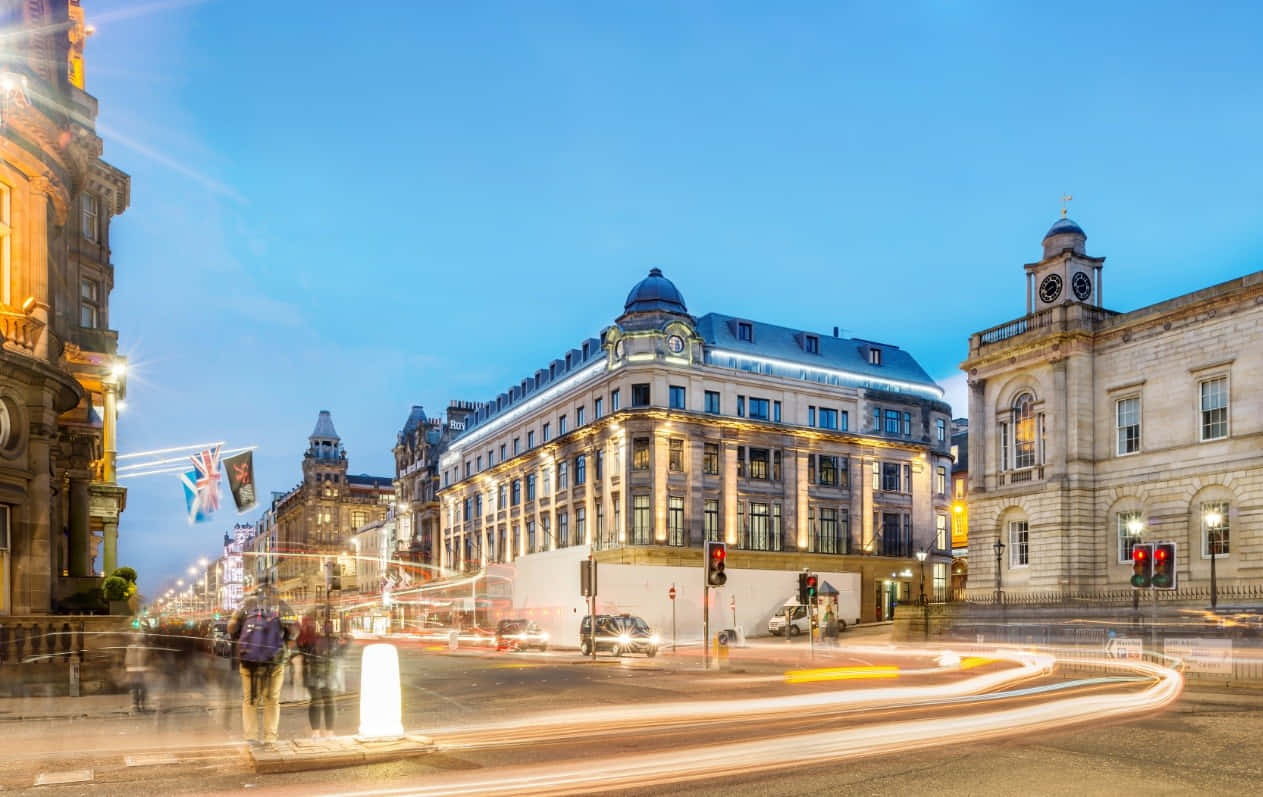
(1064, 200)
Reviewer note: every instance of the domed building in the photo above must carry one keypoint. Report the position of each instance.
(793, 447)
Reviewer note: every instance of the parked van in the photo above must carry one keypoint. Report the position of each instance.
(798, 622)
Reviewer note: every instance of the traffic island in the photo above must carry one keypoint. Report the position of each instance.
(341, 751)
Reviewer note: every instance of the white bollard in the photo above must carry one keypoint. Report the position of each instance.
(381, 706)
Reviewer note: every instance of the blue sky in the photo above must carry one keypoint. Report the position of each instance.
(359, 207)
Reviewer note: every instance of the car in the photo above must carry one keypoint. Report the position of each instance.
(798, 623)
(520, 635)
(220, 642)
(619, 634)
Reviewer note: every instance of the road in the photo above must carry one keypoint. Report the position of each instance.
(506, 720)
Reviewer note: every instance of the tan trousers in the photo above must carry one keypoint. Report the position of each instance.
(270, 684)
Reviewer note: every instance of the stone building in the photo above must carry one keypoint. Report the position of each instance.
(798, 449)
(314, 521)
(417, 448)
(1092, 430)
(60, 374)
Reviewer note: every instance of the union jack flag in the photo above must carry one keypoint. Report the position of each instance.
(201, 485)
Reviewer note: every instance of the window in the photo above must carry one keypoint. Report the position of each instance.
(828, 471)
(90, 212)
(1024, 431)
(1004, 446)
(675, 455)
(561, 425)
(468, 469)
(907, 479)
(530, 440)
(776, 411)
(1215, 408)
(1128, 525)
(827, 538)
(563, 475)
(844, 475)
(89, 303)
(712, 402)
(760, 536)
(940, 480)
(640, 395)
(642, 531)
(1019, 543)
(874, 356)
(710, 459)
(676, 396)
(640, 453)
(563, 529)
(503, 495)
(844, 421)
(907, 424)
(710, 520)
(812, 344)
(546, 477)
(546, 433)
(758, 409)
(811, 416)
(675, 522)
(758, 463)
(598, 408)
(477, 506)
(741, 406)
(1215, 536)
(940, 532)
(741, 462)
(828, 418)
(580, 525)
(600, 463)
(939, 577)
(776, 465)
(466, 513)
(1128, 429)
(478, 464)
(578, 416)
(580, 470)
(940, 430)
(892, 422)
(517, 446)
(614, 396)
(890, 476)
(530, 536)
(745, 331)
(504, 449)
(530, 487)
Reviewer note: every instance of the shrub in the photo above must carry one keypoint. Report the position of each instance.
(125, 573)
(116, 588)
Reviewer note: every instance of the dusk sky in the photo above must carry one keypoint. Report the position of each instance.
(359, 207)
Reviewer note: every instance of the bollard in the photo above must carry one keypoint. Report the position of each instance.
(381, 705)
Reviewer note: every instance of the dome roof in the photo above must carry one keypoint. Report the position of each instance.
(655, 292)
(1063, 226)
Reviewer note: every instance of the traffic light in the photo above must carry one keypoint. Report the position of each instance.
(1142, 565)
(802, 588)
(1164, 565)
(716, 553)
(811, 587)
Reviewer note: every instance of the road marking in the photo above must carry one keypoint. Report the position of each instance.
(68, 776)
(970, 662)
(841, 674)
(150, 760)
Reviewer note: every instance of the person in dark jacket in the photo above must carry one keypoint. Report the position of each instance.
(320, 648)
(262, 682)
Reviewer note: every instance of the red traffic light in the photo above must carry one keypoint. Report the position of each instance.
(811, 581)
(1139, 553)
(717, 552)
(1161, 553)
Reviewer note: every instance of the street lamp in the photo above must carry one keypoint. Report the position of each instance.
(1135, 527)
(921, 555)
(999, 551)
(1214, 520)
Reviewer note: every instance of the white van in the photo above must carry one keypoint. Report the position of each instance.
(798, 622)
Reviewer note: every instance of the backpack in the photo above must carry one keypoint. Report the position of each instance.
(262, 636)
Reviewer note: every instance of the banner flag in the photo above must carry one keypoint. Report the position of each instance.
(240, 470)
(196, 513)
(201, 485)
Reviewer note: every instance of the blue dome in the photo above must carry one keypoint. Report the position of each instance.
(1063, 226)
(655, 292)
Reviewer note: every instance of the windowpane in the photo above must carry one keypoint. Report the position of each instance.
(940, 480)
(828, 418)
(642, 530)
(1128, 425)
(892, 422)
(675, 458)
(712, 402)
(710, 519)
(614, 400)
(1019, 543)
(640, 453)
(640, 395)
(1215, 531)
(1215, 408)
(890, 476)
(758, 463)
(758, 409)
(759, 537)
(1024, 432)
(675, 522)
(580, 470)
(828, 470)
(677, 397)
(940, 532)
(1128, 525)
(710, 459)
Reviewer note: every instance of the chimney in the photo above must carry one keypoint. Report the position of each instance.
(835, 332)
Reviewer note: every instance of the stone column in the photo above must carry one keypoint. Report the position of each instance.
(979, 424)
(796, 486)
(80, 542)
(659, 453)
(111, 546)
(589, 500)
(868, 534)
(730, 492)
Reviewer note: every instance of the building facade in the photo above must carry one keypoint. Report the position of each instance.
(315, 521)
(60, 374)
(960, 506)
(797, 449)
(417, 448)
(1092, 430)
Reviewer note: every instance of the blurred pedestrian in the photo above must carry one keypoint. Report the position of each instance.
(264, 630)
(137, 665)
(320, 649)
(830, 628)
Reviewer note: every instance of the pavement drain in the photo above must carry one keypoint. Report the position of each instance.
(68, 776)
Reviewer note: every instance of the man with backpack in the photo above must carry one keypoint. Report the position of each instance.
(263, 628)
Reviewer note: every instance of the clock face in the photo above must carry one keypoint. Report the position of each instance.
(1050, 288)
(1082, 285)
(675, 343)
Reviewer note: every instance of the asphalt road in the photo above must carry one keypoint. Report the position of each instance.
(1194, 747)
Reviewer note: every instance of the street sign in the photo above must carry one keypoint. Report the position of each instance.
(1130, 648)
(671, 592)
(1210, 656)
(587, 578)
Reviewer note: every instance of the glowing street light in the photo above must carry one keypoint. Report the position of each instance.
(1214, 520)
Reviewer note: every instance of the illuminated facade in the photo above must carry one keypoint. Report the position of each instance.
(798, 449)
(1091, 430)
(417, 448)
(314, 522)
(60, 375)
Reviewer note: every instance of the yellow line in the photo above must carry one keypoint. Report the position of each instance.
(969, 662)
(841, 674)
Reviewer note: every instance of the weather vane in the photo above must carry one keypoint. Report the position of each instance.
(1064, 199)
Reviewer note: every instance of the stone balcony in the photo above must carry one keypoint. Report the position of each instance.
(19, 331)
(1062, 319)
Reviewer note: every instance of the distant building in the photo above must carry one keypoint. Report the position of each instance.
(315, 520)
(960, 505)
(797, 448)
(230, 569)
(1092, 430)
(417, 449)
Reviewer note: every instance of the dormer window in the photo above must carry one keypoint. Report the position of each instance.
(874, 356)
(811, 344)
(745, 331)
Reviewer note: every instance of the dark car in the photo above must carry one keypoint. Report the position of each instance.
(520, 635)
(619, 634)
(220, 642)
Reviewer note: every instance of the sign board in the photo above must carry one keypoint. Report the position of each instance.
(587, 578)
(1130, 648)
(1211, 656)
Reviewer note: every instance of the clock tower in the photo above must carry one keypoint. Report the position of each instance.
(1066, 273)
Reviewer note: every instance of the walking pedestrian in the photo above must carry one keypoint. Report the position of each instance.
(136, 664)
(264, 630)
(320, 649)
(830, 628)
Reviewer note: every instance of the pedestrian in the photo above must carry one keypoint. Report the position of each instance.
(264, 630)
(136, 664)
(320, 649)
(830, 628)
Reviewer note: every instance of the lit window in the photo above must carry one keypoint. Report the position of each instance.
(940, 480)
(1024, 431)
(640, 453)
(710, 459)
(675, 457)
(1128, 525)
(940, 532)
(642, 529)
(675, 522)
(1215, 530)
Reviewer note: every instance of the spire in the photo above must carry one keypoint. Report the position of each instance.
(324, 428)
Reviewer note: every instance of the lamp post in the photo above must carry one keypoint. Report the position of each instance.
(921, 555)
(999, 551)
(1214, 520)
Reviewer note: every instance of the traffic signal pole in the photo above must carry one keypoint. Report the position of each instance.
(706, 627)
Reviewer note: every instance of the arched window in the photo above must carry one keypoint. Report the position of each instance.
(1024, 431)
